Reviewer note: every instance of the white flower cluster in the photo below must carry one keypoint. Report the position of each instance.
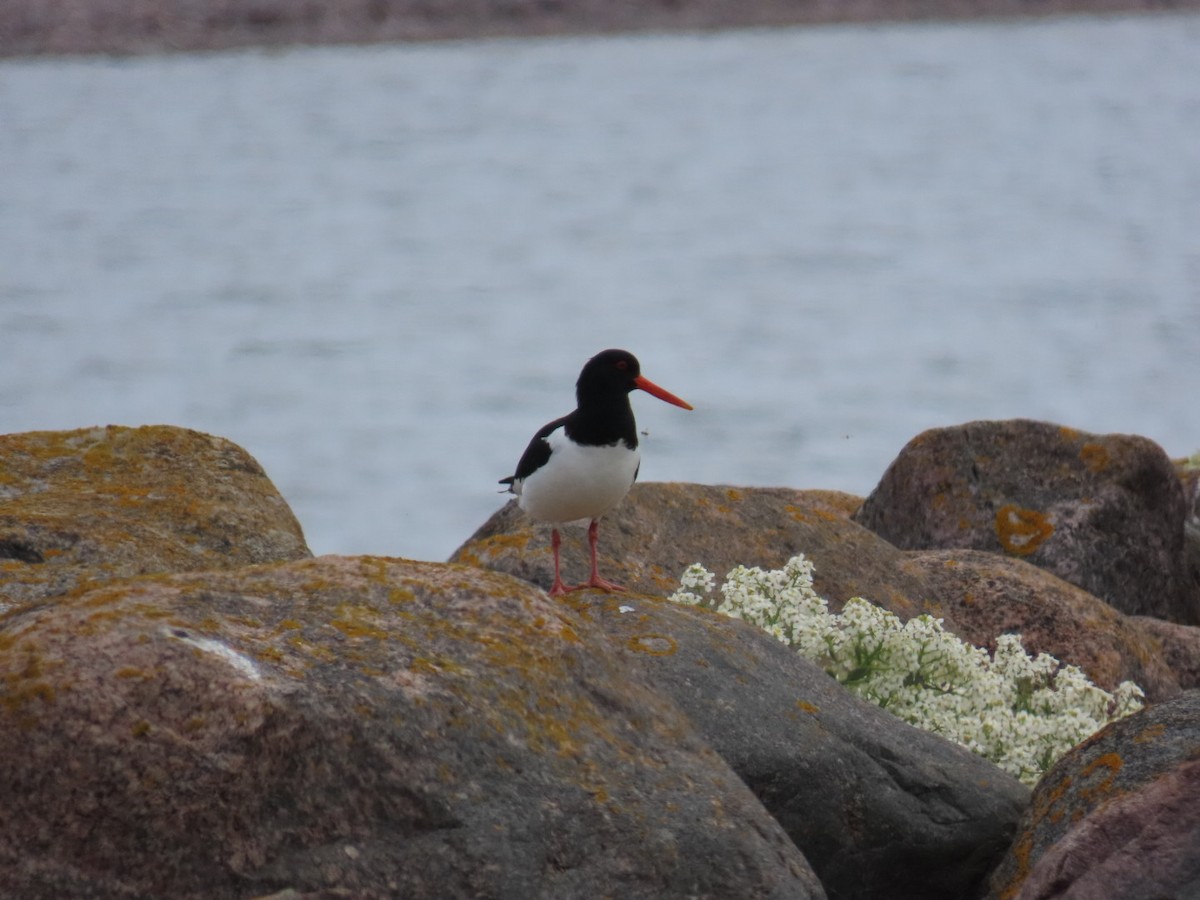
(1019, 711)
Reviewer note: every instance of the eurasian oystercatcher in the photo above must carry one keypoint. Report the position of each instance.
(582, 465)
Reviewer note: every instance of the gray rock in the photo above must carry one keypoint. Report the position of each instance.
(104, 503)
(1175, 648)
(1103, 512)
(984, 595)
(1118, 818)
(1188, 471)
(355, 727)
(880, 809)
(660, 529)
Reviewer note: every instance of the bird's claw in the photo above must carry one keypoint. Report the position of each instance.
(599, 584)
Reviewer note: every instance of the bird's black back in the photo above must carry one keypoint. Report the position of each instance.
(603, 416)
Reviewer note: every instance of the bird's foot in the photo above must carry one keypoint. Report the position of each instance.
(599, 584)
(558, 588)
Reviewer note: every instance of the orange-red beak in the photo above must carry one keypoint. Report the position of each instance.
(651, 388)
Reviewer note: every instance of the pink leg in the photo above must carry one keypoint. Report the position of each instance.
(595, 581)
(555, 542)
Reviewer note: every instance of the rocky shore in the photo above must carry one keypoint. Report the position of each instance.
(29, 27)
(193, 706)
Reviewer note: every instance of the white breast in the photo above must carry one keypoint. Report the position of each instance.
(577, 482)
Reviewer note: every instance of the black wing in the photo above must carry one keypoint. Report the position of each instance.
(536, 454)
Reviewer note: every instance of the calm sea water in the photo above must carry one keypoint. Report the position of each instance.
(380, 269)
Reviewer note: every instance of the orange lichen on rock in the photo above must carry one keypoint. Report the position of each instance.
(1069, 434)
(1095, 456)
(1049, 802)
(1111, 762)
(1150, 734)
(1022, 851)
(653, 644)
(1021, 531)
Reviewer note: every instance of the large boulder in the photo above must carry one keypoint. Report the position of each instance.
(1176, 648)
(1103, 512)
(355, 727)
(880, 809)
(1118, 818)
(1188, 471)
(104, 503)
(660, 529)
(982, 595)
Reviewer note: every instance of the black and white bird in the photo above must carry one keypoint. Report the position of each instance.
(583, 465)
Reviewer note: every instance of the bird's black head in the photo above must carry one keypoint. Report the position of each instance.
(610, 373)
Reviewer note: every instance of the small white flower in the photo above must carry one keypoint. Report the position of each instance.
(1021, 712)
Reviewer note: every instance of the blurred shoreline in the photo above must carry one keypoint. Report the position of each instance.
(123, 27)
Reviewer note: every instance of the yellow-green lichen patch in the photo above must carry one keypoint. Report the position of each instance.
(270, 654)
(566, 632)
(358, 621)
(436, 666)
(17, 696)
(498, 544)
(311, 649)
(581, 605)
(1021, 531)
(653, 644)
(25, 690)
(401, 595)
(515, 695)
(103, 597)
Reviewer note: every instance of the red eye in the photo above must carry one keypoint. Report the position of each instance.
(622, 365)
